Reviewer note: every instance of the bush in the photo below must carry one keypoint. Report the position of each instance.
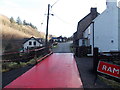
(13, 65)
(8, 46)
(32, 61)
(22, 64)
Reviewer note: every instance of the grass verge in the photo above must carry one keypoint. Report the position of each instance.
(7, 66)
(112, 83)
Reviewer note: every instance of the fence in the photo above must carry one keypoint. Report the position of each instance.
(24, 57)
(81, 51)
(112, 58)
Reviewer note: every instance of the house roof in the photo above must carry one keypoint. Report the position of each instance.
(75, 36)
(27, 39)
(84, 23)
(54, 37)
(60, 37)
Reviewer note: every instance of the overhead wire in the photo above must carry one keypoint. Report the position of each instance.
(60, 18)
(54, 3)
(46, 10)
(54, 14)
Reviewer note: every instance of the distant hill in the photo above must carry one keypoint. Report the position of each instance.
(13, 32)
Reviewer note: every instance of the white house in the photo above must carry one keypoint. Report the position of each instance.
(104, 32)
(88, 35)
(31, 42)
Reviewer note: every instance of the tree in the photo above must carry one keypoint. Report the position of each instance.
(24, 22)
(18, 21)
(29, 24)
(12, 20)
(34, 27)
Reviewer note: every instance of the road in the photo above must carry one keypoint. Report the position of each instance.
(49, 74)
(8, 77)
(62, 47)
(84, 67)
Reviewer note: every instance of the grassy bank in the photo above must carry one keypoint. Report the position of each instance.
(112, 83)
(7, 66)
(11, 32)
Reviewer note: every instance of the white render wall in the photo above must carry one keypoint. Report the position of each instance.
(31, 40)
(119, 29)
(89, 34)
(106, 30)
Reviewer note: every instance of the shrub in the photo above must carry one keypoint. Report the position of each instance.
(13, 65)
(22, 64)
(32, 61)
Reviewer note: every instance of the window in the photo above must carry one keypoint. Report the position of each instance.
(30, 43)
(89, 31)
(83, 42)
(34, 42)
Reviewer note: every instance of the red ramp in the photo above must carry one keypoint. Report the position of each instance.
(59, 70)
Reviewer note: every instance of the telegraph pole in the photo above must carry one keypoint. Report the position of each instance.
(46, 38)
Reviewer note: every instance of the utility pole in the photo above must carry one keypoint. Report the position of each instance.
(46, 39)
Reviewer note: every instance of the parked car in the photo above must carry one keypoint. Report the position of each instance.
(55, 43)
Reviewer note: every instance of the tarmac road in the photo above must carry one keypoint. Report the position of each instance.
(84, 67)
(8, 77)
(62, 47)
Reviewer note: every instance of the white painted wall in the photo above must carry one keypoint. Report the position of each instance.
(26, 44)
(60, 40)
(106, 29)
(119, 29)
(89, 34)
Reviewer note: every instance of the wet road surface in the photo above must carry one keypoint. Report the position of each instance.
(62, 47)
(58, 70)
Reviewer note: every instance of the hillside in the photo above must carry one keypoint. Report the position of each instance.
(14, 32)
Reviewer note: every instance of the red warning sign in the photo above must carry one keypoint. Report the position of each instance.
(109, 69)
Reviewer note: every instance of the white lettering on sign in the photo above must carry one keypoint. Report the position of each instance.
(104, 67)
(116, 70)
(109, 69)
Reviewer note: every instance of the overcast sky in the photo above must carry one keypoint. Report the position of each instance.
(67, 13)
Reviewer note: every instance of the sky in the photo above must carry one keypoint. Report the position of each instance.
(67, 13)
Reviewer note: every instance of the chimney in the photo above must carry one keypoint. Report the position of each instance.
(94, 13)
(119, 4)
(93, 10)
(111, 3)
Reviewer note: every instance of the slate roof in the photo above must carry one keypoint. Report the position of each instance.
(27, 39)
(84, 23)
